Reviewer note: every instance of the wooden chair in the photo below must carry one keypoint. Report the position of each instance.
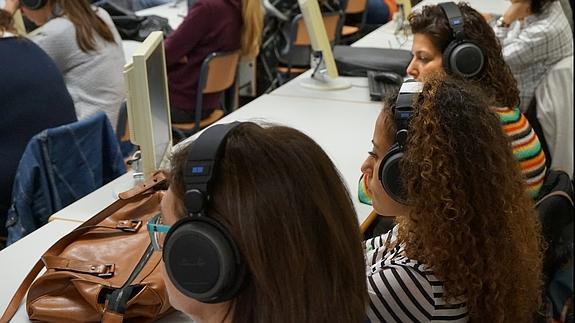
(294, 57)
(217, 74)
(354, 7)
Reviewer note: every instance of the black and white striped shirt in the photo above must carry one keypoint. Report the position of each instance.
(404, 290)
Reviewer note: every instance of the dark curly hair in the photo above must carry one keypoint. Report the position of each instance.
(471, 220)
(496, 79)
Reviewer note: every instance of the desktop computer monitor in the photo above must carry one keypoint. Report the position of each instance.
(148, 103)
(324, 76)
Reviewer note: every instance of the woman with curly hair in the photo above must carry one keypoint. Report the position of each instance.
(466, 246)
(431, 37)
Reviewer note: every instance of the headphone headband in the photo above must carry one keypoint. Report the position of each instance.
(200, 255)
(461, 57)
(199, 169)
(454, 17)
(403, 109)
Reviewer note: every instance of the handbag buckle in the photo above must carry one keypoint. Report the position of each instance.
(107, 271)
(129, 225)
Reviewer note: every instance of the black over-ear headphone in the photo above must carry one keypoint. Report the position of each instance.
(33, 4)
(461, 57)
(389, 168)
(200, 256)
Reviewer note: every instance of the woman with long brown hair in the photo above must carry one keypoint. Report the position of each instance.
(466, 246)
(210, 26)
(279, 199)
(85, 45)
(432, 35)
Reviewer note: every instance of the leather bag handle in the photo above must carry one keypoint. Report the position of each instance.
(157, 179)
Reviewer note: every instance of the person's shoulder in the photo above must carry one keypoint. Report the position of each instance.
(54, 28)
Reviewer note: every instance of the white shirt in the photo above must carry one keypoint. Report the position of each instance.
(531, 49)
(402, 289)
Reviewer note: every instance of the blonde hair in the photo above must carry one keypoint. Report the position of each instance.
(253, 21)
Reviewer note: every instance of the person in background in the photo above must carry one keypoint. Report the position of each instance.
(467, 244)
(380, 11)
(86, 47)
(210, 26)
(291, 219)
(431, 37)
(535, 35)
(33, 97)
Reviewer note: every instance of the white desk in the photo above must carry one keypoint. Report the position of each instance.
(343, 129)
(357, 93)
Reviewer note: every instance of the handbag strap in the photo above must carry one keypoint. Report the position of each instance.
(157, 179)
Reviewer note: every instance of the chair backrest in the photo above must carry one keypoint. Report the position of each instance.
(556, 211)
(331, 21)
(554, 108)
(218, 71)
(356, 6)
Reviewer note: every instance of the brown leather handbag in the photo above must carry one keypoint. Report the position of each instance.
(105, 270)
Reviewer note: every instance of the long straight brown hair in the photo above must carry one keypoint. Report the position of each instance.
(287, 209)
(86, 22)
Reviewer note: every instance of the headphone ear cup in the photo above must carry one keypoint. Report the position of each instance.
(202, 261)
(463, 58)
(33, 4)
(390, 174)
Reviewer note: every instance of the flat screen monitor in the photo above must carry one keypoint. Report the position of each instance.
(148, 103)
(324, 76)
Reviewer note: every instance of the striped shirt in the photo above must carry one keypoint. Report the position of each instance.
(534, 45)
(526, 147)
(404, 290)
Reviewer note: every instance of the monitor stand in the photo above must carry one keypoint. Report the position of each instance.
(320, 80)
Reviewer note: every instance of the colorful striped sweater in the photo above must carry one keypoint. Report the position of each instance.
(526, 148)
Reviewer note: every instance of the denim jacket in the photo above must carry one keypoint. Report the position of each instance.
(59, 166)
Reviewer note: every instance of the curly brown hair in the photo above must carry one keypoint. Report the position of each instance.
(496, 79)
(470, 220)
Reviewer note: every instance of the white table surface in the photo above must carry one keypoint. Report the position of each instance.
(357, 93)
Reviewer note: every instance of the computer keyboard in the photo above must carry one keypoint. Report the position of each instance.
(379, 88)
